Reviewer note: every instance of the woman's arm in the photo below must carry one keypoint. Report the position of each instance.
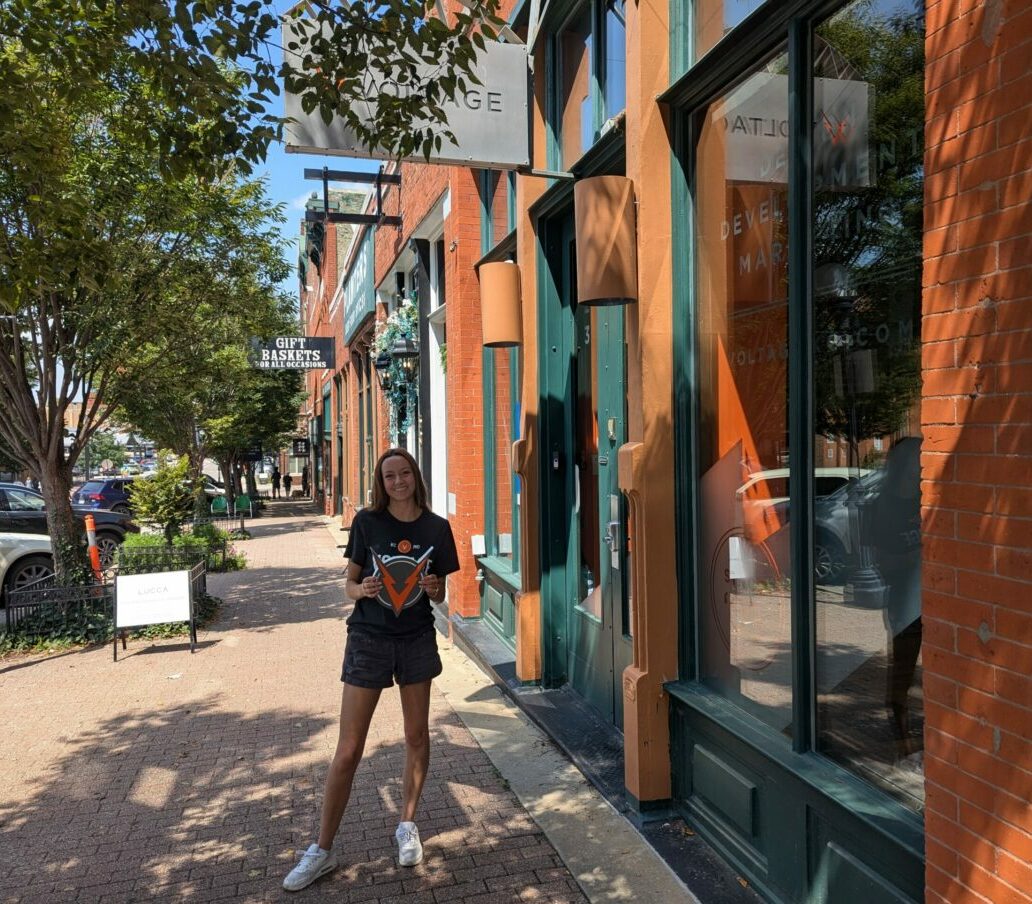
(358, 587)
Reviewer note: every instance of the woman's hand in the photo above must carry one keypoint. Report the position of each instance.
(371, 586)
(433, 584)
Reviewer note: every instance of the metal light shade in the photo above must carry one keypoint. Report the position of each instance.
(607, 251)
(500, 304)
(406, 352)
(382, 364)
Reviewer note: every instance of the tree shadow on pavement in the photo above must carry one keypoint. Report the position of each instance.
(197, 803)
(265, 598)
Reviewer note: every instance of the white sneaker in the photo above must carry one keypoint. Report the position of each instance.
(314, 862)
(410, 851)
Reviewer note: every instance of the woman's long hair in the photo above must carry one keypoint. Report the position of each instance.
(380, 497)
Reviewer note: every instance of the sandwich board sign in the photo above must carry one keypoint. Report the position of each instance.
(489, 121)
(153, 599)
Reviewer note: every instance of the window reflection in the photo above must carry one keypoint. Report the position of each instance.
(576, 125)
(742, 233)
(715, 18)
(615, 75)
(869, 183)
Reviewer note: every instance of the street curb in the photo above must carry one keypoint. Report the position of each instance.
(606, 854)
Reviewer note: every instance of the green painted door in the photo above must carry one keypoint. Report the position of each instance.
(597, 615)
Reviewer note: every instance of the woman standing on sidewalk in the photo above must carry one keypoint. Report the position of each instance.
(399, 553)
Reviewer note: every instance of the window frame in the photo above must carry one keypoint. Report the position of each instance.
(553, 67)
(508, 569)
(742, 50)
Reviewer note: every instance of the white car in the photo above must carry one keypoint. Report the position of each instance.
(24, 559)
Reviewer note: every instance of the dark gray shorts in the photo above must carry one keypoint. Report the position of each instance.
(372, 661)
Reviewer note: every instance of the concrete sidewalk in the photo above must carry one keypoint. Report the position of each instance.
(179, 777)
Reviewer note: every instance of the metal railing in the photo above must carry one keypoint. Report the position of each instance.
(42, 610)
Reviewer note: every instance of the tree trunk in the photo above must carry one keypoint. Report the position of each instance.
(71, 561)
(201, 507)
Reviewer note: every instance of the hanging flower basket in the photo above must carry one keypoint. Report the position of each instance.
(402, 396)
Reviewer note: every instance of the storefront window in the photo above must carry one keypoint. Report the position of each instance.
(867, 233)
(741, 233)
(576, 121)
(712, 19)
(615, 75)
(366, 435)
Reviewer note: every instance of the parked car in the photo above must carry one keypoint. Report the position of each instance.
(24, 559)
(23, 511)
(113, 493)
(213, 487)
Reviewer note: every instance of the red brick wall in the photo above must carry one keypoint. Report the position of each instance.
(320, 320)
(977, 461)
(464, 384)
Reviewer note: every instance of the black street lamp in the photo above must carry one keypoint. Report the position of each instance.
(406, 352)
(382, 365)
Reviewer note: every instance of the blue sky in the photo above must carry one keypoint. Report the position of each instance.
(284, 174)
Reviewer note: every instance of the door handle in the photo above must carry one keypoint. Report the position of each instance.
(612, 535)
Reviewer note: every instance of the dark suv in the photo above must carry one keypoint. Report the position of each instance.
(23, 511)
(106, 493)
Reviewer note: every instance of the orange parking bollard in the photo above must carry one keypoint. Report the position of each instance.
(91, 539)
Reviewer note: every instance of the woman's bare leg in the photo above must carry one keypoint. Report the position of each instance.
(415, 707)
(357, 705)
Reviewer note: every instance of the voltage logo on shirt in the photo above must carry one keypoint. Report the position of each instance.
(400, 576)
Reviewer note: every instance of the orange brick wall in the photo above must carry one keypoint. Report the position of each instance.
(977, 460)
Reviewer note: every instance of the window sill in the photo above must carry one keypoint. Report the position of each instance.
(501, 570)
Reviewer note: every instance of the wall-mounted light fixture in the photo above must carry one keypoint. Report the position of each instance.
(406, 352)
(607, 251)
(500, 316)
(382, 365)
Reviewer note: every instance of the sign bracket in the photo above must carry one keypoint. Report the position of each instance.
(379, 179)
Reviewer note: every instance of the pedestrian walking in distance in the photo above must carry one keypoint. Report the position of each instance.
(275, 483)
(399, 553)
(287, 481)
(304, 481)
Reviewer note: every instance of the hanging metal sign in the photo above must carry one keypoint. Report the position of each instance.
(294, 353)
(489, 121)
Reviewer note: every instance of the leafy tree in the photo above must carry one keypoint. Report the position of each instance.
(216, 67)
(103, 447)
(121, 123)
(871, 235)
(97, 237)
(191, 368)
(262, 413)
(162, 500)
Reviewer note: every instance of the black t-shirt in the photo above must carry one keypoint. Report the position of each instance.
(399, 553)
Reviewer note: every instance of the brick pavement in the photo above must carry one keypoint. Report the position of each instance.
(171, 777)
